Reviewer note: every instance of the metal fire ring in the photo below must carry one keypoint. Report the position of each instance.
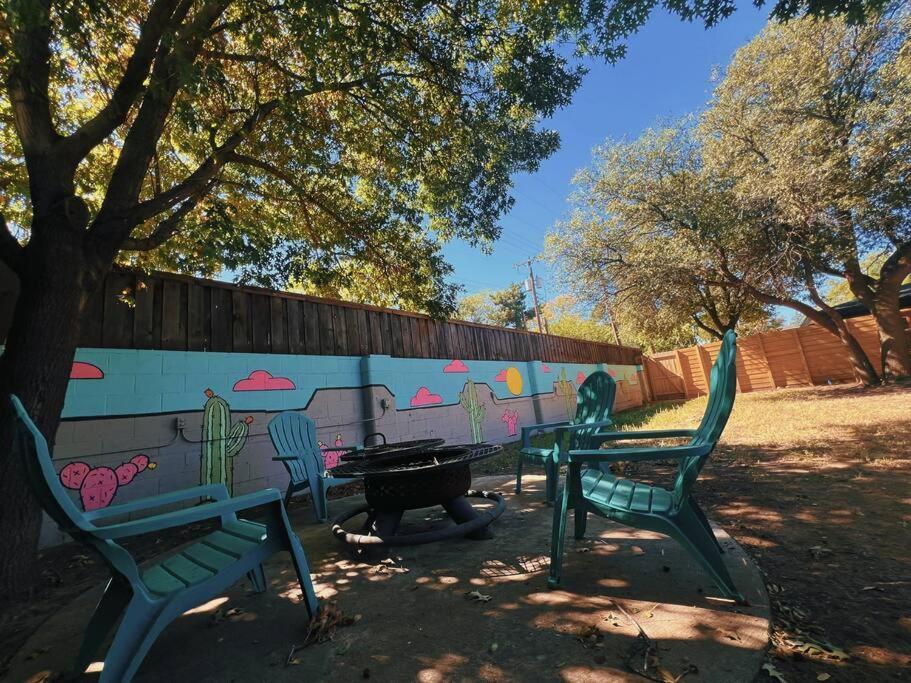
(482, 520)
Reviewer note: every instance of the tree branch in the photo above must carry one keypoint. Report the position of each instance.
(114, 113)
(29, 79)
(169, 226)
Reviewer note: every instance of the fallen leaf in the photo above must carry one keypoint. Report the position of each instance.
(478, 596)
(773, 673)
(823, 677)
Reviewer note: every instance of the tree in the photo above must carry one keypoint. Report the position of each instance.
(277, 139)
(476, 308)
(509, 307)
(812, 121)
(838, 291)
(639, 240)
(566, 318)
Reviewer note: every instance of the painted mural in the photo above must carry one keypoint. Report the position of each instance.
(127, 400)
(511, 418)
(567, 393)
(475, 410)
(221, 441)
(97, 486)
(331, 456)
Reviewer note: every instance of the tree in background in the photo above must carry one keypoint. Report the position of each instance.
(837, 291)
(812, 122)
(274, 139)
(566, 317)
(510, 307)
(476, 308)
(642, 238)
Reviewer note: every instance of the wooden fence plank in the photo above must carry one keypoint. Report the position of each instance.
(174, 316)
(242, 332)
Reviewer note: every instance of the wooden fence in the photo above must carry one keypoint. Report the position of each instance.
(793, 357)
(175, 312)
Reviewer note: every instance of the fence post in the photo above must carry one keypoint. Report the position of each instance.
(649, 393)
(765, 358)
(803, 355)
(678, 357)
(706, 369)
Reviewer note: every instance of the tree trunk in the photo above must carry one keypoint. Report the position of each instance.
(863, 369)
(893, 337)
(55, 286)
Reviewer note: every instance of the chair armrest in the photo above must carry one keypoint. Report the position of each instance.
(647, 434)
(216, 491)
(635, 454)
(560, 431)
(190, 515)
(527, 430)
(279, 458)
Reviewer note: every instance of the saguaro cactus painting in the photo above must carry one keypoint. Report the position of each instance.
(567, 391)
(475, 409)
(220, 443)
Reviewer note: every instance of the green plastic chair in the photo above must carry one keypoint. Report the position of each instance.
(294, 437)
(146, 599)
(594, 402)
(674, 512)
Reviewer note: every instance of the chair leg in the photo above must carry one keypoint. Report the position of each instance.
(704, 520)
(288, 494)
(303, 573)
(689, 531)
(258, 579)
(135, 635)
(113, 602)
(320, 501)
(519, 474)
(557, 540)
(551, 470)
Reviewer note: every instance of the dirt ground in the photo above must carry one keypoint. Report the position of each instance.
(815, 484)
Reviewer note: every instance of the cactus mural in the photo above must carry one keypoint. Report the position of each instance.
(565, 390)
(220, 443)
(511, 418)
(97, 486)
(475, 409)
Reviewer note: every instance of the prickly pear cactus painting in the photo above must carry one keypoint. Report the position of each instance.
(331, 457)
(221, 441)
(475, 409)
(97, 486)
(566, 391)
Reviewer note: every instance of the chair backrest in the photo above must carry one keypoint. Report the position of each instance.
(722, 391)
(594, 402)
(294, 435)
(42, 476)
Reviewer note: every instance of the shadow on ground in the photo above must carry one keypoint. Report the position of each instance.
(414, 616)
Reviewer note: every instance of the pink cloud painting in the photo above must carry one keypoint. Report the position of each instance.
(82, 370)
(545, 367)
(425, 398)
(501, 376)
(261, 380)
(580, 377)
(456, 366)
(612, 373)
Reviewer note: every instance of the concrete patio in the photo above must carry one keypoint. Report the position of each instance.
(415, 620)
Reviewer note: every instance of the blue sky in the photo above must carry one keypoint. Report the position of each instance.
(666, 74)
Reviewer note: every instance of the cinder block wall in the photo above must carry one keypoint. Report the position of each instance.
(125, 403)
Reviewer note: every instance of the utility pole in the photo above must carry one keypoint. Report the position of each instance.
(534, 291)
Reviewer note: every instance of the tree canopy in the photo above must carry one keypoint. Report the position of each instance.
(504, 308)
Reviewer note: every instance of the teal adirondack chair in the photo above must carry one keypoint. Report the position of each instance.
(673, 512)
(594, 401)
(148, 598)
(294, 437)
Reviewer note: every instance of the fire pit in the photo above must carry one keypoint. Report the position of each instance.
(404, 479)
